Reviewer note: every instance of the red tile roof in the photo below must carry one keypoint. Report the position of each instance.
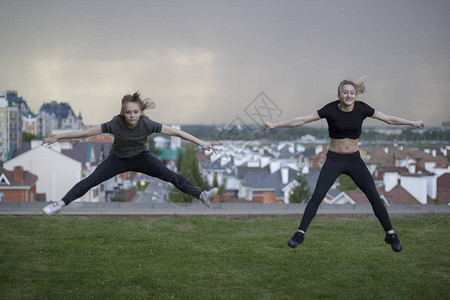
(29, 179)
(378, 156)
(443, 181)
(397, 195)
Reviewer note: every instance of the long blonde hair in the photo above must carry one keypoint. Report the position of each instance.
(144, 104)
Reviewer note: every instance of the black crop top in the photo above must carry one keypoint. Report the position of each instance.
(342, 124)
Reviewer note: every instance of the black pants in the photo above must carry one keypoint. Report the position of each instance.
(143, 162)
(352, 165)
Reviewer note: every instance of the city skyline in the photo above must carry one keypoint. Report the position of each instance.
(205, 62)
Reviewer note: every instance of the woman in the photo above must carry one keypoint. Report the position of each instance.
(129, 152)
(345, 117)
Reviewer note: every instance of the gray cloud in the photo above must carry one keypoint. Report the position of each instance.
(204, 61)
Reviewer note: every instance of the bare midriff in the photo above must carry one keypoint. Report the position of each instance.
(343, 145)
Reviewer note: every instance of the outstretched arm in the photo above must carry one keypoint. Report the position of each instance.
(186, 136)
(391, 120)
(294, 122)
(73, 135)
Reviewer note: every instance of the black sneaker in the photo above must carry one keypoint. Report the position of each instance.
(296, 239)
(394, 241)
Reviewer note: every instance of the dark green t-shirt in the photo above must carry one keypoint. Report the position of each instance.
(129, 142)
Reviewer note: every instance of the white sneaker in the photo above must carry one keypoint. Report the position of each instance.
(208, 196)
(52, 209)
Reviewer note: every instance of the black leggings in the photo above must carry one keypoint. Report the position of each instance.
(352, 165)
(143, 162)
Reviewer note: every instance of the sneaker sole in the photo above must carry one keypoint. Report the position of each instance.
(50, 213)
(396, 250)
(46, 213)
(215, 194)
(291, 243)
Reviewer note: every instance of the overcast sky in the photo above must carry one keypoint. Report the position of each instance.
(204, 62)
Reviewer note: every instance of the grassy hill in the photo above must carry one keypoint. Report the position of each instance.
(66, 257)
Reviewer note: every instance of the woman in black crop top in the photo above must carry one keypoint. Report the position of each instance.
(345, 117)
(129, 152)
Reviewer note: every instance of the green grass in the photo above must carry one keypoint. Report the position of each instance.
(66, 257)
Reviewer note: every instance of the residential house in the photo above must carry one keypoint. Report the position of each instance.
(55, 115)
(271, 184)
(397, 195)
(402, 157)
(220, 169)
(57, 172)
(91, 155)
(17, 185)
(258, 173)
(398, 187)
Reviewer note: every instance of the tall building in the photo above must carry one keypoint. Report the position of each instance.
(29, 123)
(15, 107)
(3, 127)
(14, 126)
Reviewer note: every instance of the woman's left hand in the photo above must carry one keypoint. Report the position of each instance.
(208, 147)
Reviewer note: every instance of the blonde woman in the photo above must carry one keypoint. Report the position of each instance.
(345, 117)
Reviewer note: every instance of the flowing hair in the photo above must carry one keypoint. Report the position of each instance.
(144, 104)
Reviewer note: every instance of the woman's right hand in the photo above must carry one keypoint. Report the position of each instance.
(268, 125)
(419, 124)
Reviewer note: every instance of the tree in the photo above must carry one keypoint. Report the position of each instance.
(301, 193)
(151, 147)
(180, 159)
(346, 183)
(221, 188)
(189, 168)
(27, 137)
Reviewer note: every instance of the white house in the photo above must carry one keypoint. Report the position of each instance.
(161, 142)
(57, 172)
(419, 185)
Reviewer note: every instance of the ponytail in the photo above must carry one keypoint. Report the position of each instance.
(358, 85)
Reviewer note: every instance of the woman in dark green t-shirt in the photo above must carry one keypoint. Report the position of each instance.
(129, 152)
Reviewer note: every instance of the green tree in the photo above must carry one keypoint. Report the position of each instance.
(27, 137)
(301, 193)
(346, 183)
(151, 147)
(188, 167)
(216, 184)
(221, 189)
(180, 159)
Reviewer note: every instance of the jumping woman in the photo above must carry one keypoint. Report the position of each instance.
(345, 117)
(129, 152)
